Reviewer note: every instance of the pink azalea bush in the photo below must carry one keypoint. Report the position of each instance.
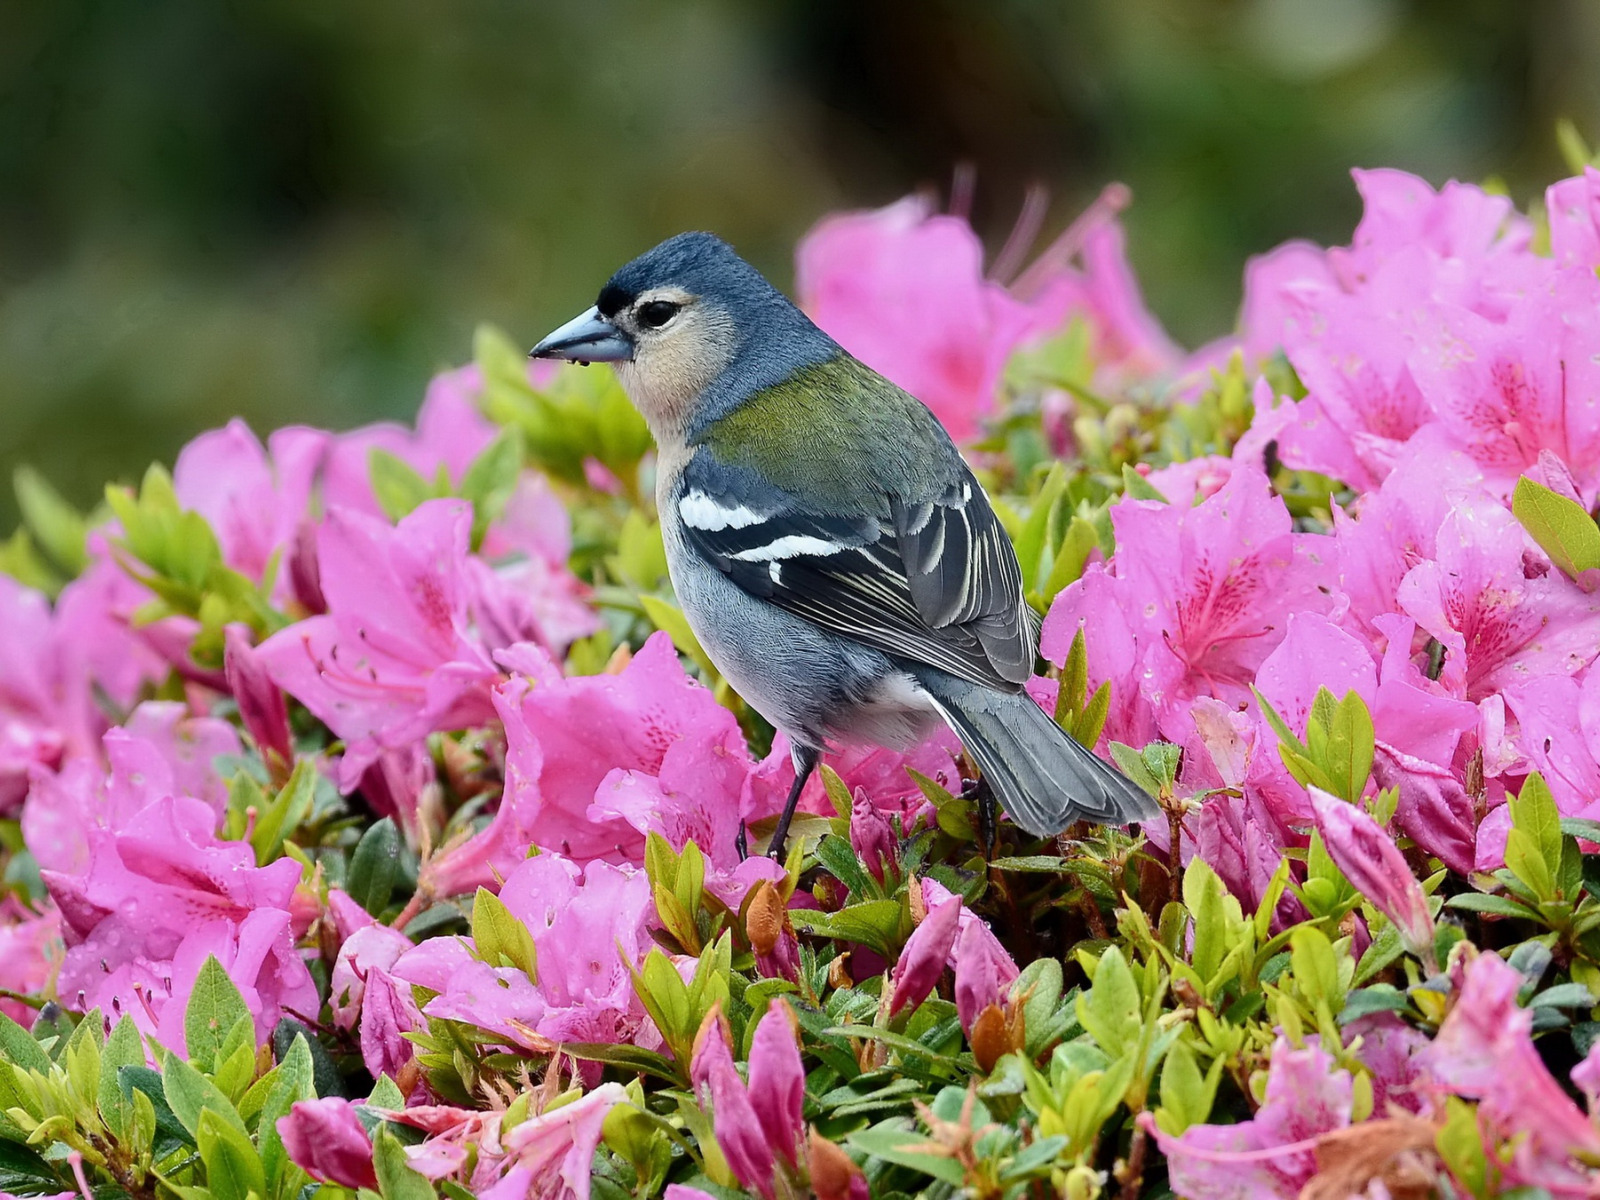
(371, 820)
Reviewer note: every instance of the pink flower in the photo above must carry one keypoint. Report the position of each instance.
(903, 290)
(157, 883)
(879, 772)
(1507, 390)
(1373, 864)
(564, 739)
(393, 660)
(262, 710)
(1206, 593)
(984, 972)
(1484, 1052)
(327, 1139)
(923, 958)
(551, 1156)
(161, 752)
(30, 952)
(253, 498)
(372, 948)
(1573, 206)
(752, 1122)
(873, 838)
(778, 1081)
(1500, 622)
(589, 925)
(1269, 1155)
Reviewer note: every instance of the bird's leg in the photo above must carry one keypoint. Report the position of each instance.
(806, 759)
(988, 818)
(740, 844)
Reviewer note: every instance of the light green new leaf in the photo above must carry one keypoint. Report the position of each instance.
(501, 939)
(215, 1007)
(1563, 530)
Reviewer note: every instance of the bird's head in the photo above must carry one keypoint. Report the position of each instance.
(675, 319)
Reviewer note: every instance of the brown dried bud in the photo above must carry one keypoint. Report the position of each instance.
(408, 1076)
(919, 907)
(765, 918)
(834, 1174)
(839, 972)
(995, 1034)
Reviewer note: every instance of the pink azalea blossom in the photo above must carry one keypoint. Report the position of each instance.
(1269, 1155)
(1500, 621)
(902, 289)
(394, 658)
(551, 1156)
(30, 952)
(1484, 1051)
(372, 948)
(327, 1139)
(252, 497)
(1205, 592)
(1573, 206)
(566, 736)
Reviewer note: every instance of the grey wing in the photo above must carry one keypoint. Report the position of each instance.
(933, 581)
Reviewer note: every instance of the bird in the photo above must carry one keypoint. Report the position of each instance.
(831, 549)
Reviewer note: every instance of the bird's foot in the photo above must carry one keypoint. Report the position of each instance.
(741, 844)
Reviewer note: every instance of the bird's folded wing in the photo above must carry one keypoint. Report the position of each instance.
(934, 581)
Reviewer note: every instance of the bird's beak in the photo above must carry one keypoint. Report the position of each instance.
(586, 338)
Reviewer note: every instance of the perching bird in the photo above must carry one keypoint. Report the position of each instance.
(831, 550)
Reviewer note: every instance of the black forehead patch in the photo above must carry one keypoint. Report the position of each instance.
(613, 299)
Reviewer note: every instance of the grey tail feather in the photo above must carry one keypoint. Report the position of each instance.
(1043, 778)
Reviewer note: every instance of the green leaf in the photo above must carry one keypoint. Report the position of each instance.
(283, 814)
(1562, 528)
(58, 528)
(189, 1093)
(1460, 1144)
(873, 923)
(1380, 997)
(1315, 967)
(294, 1083)
(490, 480)
(233, 1168)
(215, 1007)
(18, 1046)
(1186, 1094)
(1494, 906)
(375, 866)
(1138, 487)
(1110, 1009)
(396, 485)
(172, 1132)
(628, 1057)
(124, 1048)
(501, 940)
(906, 1148)
(1533, 847)
(396, 1179)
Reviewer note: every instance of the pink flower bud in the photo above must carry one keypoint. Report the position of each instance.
(260, 700)
(738, 1129)
(778, 1081)
(1372, 863)
(872, 837)
(983, 971)
(922, 961)
(326, 1138)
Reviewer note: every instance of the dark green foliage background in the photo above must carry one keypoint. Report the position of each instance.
(296, 210)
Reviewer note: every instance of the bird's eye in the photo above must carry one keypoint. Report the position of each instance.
(657, 313)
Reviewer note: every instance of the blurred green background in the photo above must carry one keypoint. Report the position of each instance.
(296, 210)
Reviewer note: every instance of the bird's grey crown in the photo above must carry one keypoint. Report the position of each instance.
(773, 338)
